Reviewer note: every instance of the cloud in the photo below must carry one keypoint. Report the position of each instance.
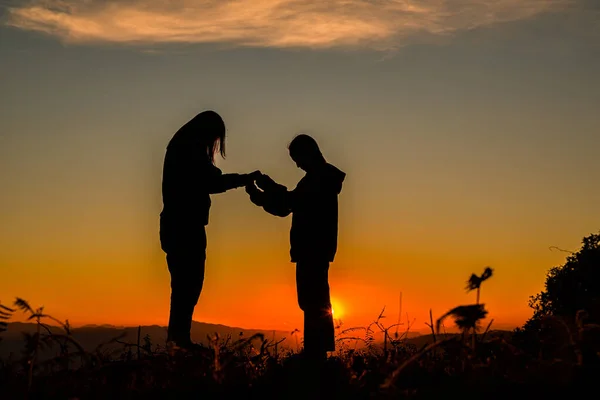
(380, 24)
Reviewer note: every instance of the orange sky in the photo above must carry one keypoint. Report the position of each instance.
(250, 283)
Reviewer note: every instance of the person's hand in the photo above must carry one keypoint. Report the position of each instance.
(264, 181)
(252, 176)
(251, 188)
(255, 194)
(247, 179)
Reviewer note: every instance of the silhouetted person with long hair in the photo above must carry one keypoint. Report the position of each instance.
(313, 236)
(189, 178)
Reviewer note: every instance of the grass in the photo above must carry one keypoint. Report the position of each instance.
(472, 364)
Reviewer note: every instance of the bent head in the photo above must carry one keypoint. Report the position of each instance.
(305, 152)
(206, 130)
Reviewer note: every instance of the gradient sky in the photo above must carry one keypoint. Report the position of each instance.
(469, 131)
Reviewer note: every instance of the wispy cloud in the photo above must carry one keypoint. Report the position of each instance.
(381, 24)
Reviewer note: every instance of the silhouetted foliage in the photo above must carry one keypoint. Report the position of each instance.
(571, 297)
(465, 317)
(5, 314)
(242, 369)
(474, 282)
(573, 286)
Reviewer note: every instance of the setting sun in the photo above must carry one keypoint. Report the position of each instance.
(337, 310)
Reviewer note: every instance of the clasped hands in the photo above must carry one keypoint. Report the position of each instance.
(258, 179)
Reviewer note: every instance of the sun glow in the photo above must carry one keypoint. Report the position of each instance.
(337, 311)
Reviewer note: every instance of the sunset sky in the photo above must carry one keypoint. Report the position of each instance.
(469, 131)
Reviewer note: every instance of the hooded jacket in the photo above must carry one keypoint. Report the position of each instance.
(314, 208)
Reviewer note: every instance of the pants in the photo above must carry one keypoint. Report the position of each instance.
(186, 266)
(313, 298)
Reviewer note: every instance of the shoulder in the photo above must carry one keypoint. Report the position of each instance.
(304, 182)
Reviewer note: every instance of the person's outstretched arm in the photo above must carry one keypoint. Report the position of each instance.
(218, 182)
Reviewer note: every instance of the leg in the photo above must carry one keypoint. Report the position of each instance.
(313, 298)
(186, 267)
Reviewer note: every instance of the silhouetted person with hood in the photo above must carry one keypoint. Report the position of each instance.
(189, 178)
(313, 236)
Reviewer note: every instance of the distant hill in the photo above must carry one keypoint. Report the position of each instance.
(424, 340)
(91, 336)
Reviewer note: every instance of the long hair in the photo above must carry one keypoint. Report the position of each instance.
(206, 129)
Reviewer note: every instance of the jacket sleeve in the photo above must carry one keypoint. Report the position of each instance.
(278, 203)
(274, 199)
(218, 182)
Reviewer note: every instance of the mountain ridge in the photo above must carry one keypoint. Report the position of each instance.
(91, 337)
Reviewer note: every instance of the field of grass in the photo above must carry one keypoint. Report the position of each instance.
(474, 364)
